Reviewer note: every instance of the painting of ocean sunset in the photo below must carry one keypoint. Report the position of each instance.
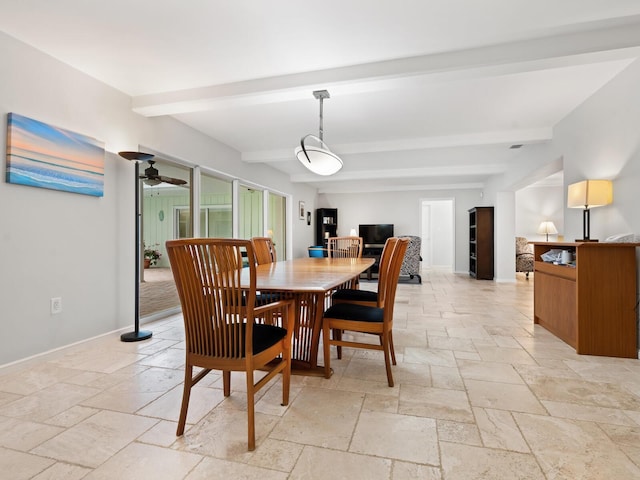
(41, 155)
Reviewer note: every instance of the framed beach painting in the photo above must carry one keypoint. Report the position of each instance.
(41, 155)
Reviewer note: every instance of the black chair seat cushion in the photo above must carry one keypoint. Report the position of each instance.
(355, 295)
(268, 297)
(264, 298)
(350, 311)
(265, 336)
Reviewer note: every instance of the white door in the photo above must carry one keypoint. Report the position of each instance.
(438, 236)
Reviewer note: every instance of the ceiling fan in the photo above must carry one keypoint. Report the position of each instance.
(152, 176)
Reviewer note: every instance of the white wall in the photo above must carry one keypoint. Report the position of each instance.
(58, 244)
(504, 241)
(538, 204)
(601, 140)
(403, 209)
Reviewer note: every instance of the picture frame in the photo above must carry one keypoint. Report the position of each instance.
(46, 156)
(301, 210)
(308, 218)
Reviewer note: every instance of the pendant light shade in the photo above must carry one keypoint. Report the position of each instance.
(319, 159)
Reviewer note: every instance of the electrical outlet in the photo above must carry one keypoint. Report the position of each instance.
(56, 305)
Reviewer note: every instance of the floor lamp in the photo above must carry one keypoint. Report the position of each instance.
(137, 334)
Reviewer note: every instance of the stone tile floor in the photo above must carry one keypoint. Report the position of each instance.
(481, 393)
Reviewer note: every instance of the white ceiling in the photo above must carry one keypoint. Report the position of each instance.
(424, 93)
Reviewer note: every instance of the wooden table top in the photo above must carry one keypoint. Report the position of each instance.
(309, 274)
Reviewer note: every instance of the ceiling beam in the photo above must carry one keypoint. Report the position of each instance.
(390, 174)
(510, 137)
(603, 41)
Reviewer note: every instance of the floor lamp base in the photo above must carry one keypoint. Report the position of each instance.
(136, 336)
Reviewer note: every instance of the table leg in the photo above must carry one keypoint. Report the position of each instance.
(306, 334)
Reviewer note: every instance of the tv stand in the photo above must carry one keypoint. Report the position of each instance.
(372, 250)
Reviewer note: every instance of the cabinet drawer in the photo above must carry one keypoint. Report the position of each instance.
(555, 305)
(557, 270)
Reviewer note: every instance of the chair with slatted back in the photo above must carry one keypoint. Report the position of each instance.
(264, 249)
(377, 320)
(265, 252)
(222, 323)
(344, 247)
(365, 297)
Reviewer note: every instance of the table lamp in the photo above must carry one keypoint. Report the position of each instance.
(588, 194)
(547, 228)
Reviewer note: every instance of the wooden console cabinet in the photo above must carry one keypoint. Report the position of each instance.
(592, 305)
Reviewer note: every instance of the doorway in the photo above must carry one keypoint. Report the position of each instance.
(162, 204)
(438, 233)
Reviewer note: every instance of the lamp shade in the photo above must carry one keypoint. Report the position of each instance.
(319, 159)
(590, 193)
(547, 228)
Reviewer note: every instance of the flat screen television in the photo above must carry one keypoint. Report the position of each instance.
(376, 234)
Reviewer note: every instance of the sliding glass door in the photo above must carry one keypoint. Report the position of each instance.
(251, 221)
(276, 223)
(167, 215)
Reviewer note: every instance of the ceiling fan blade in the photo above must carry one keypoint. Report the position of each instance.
(151, 173)
(173, 181)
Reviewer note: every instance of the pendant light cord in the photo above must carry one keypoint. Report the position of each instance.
(321, 129)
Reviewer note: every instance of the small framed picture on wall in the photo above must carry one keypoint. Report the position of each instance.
(308, 218)
(301, 210)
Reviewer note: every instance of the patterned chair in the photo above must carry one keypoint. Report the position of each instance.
(411, 263)
(524, 256)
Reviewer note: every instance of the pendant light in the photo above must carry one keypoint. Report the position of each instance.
(319, 159)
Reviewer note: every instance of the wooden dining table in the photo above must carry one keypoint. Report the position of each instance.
(310, 282)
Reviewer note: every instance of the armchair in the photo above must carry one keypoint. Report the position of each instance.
(524, 256)
(411, 263)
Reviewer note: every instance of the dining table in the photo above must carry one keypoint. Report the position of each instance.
(310, 282)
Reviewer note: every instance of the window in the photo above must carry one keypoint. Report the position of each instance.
(276, 223)
(251, 212)
(216, 212)
(215, 221)
(158, 204)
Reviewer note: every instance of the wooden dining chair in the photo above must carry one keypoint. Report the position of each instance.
(224, 329)
(368, 297)
(264, 249)
(265, 252)
(365, 297)
(377, 320)
(344, 247)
